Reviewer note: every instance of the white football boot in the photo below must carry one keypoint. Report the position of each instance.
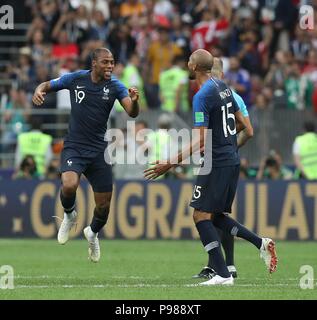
(268, 254)
(68, 222)
(217, 280)
(93, 244)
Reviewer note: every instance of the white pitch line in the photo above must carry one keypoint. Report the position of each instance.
(144, 285)
(268, 278)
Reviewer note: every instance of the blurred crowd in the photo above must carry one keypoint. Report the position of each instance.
(268, 59)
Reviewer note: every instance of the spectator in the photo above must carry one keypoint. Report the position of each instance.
(164, 8)
(93, 5)
(279, 18)
(131, 77)
(37, 144)
(310, 69)
(271, 168)
(99, 27)
(299, 89)
(42, 75)
(249, 55)
(174, 87)
(181, 32)
(301, 45)
(143, 30)
(64, 50)
(76, 24)
(49, 13)
(121, 43)
(27, 169)
(38, 24)
(25, 71)
(242, 23)
(15, 119)
(239, 80)
(131, 7)
(305, 152)
(261, 102)
(266, 44)
(276, 77)
(159, 57)
(38, 48)
(212, 28)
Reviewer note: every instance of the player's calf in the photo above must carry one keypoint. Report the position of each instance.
(100, 218)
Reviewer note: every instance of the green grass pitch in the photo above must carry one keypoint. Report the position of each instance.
(147, 270)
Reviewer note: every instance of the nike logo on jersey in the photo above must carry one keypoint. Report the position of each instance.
(80, 87)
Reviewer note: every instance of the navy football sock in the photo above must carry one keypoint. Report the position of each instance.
(68, 203)
(98, 221)
(234, 228)
(210, 240)
(210, 263)
(227, 242)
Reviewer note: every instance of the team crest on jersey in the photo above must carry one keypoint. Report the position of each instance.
(105, 93)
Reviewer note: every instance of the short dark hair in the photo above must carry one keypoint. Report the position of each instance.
(309, 126)
(36, 123)
(178, 58)
(96, 52)
(27, 162)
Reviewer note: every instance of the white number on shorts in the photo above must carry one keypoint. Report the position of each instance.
(225, 116)
(79, 96)
(197, 192)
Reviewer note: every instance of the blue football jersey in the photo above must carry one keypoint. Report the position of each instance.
(91, 104)
(214, 108)
(241, 104)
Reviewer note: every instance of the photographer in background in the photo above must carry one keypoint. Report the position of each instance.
(272, 168)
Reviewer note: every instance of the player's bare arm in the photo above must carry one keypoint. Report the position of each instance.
(40, 92)
(131, 103)
(245, 134)
(160, 168)
(240, 121)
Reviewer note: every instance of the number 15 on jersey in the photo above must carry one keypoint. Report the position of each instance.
(226, 115)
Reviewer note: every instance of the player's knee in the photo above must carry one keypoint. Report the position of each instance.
(69, 187)
(102, 210)
(199, 216)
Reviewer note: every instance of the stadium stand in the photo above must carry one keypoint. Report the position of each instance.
(268, 59)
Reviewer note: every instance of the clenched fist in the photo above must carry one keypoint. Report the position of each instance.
(134, 94)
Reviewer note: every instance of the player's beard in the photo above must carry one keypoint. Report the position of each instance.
(192, 75)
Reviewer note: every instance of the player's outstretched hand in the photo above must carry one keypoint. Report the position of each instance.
(38, 97)
(134, 94)
(157, 170)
